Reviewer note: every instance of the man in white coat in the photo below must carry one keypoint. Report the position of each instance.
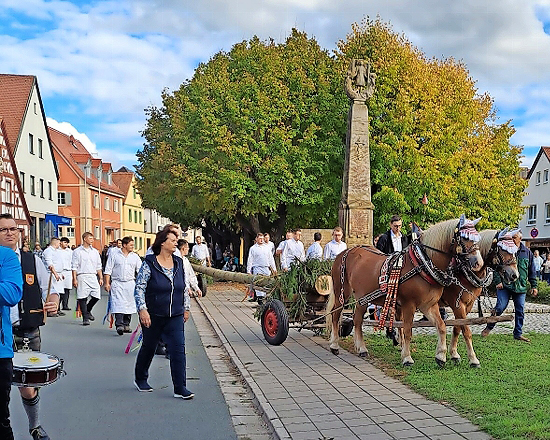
(336, 245)
(87, 276)
(293, 250)
(120, 281)
(260, 262)
(53, 260)
(67, 256)
(200, 252)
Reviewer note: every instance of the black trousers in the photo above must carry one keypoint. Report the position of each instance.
(6, 376)
(122, 319)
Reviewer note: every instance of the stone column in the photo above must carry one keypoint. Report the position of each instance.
(356, 208)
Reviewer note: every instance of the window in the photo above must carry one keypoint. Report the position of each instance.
(134, 193)
(8, 191)
(547, 209)
(41, 188)
(31, 143)
(96, 201)
(107, 204)
(135, 217)
(35, 109)
(70, 231)
(33, 189)
(115, 205)
(537, 181)
(61, 198)
(141, 242)
(40, 148)
(140, 219)
(130, 215)
(545, 176)
(22, 180)
(96, 233)
(532, 215)
(50, 194)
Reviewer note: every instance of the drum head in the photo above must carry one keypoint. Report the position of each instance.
(34, 360)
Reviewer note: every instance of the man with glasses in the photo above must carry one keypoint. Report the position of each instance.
(393, 240)
(26, 321)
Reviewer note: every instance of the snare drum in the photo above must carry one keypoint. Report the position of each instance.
(35, 369)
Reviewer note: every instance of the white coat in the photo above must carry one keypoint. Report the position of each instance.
(123, 269)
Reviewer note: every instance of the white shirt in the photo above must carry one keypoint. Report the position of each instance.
(538, 262)
(123, 267)
(271, 246)
(200, 252)
(260, 256)
(67, 257)
(293, 250)
(110, 250)
(52, 257)
(190, 277)
(315, 251)
(396, 240)
(86, 260)
(333, 248)
(281, 245)
(43, 280)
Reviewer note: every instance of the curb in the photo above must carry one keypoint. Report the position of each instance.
(260, 401)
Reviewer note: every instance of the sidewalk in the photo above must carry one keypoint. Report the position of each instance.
(305, 392)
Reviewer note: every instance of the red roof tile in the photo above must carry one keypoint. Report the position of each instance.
(123, 180)
(15, 93)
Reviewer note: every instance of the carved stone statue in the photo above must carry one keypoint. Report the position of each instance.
(360, 81)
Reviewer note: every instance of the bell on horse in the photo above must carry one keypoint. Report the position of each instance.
(497, 250)
(424, 273)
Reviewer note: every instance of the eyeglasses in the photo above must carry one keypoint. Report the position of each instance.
(5, 230)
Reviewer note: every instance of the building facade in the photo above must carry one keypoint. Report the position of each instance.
(535, 223)
(25, 127)
(86, 192)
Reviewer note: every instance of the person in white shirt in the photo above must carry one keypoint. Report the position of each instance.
(279, 250)
(200, 252)
(67, 256)
(336, 245)
(293, 250)
(260, 262)
(191, 281)
(393, 240)
(117, 247)
(120, 281)
(269, 243)
(53, 260)
(537, 259)
(315, 251)
(87, 276)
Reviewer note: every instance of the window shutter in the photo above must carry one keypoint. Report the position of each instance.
(68, 198)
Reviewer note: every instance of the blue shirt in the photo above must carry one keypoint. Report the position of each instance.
(11, 292)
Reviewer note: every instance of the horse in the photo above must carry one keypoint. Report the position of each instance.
(358, 271)
(461, 297)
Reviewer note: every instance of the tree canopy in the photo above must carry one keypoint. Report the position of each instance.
(256, 138)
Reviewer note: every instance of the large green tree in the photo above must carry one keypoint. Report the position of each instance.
(432, 133)
(255, 139)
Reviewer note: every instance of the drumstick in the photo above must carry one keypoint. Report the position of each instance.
(48, 295)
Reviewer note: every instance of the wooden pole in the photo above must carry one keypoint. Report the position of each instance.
(238, 277)
(448, 323)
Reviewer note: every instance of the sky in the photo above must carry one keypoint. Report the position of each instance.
(100, 64)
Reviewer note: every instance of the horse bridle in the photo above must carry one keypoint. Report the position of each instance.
(495, 260)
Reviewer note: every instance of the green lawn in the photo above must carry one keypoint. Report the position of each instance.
(508, 397)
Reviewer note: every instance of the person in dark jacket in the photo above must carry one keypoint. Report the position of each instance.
(517, 289)
(163, 304)
(393, 240)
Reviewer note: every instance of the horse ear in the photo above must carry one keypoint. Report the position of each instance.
(503, 232)
(462, 221)
(476, 221)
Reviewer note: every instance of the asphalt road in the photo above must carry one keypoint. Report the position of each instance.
(97, 398)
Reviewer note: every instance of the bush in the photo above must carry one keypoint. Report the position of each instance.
(543, 293)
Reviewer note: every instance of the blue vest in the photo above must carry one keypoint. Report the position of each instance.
(164, 297)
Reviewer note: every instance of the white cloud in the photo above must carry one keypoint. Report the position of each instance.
(68, 129)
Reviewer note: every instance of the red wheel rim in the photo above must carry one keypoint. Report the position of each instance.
(271, 323)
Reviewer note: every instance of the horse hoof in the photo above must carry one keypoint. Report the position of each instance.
(335, 351)
(408, 364)
(475, 365)
(440, 362)
(456, 360)
(363, 354)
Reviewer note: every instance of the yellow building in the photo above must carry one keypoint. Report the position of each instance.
(133, 219)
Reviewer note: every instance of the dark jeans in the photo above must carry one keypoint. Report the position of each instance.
(6, 375)
(122, 319)
(503, 298)
(171, 330)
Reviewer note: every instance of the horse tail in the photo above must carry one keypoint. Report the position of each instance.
(328, 310)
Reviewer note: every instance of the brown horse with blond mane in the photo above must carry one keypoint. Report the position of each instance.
(425, 271)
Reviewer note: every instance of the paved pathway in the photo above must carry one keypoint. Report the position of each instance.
(293, 384)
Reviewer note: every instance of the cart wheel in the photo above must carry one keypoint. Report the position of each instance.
(346, 327)
(275, 322)
(201, 279)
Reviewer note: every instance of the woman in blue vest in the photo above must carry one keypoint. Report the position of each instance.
(163, 304)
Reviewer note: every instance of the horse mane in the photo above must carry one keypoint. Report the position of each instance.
(486, 241)
(439, 235)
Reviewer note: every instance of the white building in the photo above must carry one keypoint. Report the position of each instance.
(535, 223)
(25, 123)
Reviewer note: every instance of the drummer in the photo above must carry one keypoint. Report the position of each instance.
(27, 321)
(122, 267)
